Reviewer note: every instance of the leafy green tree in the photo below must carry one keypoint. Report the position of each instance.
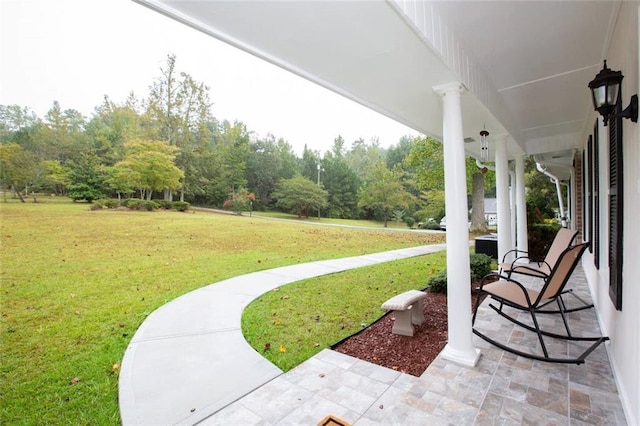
(13, 119)
(120, 179)
(342, 185)
(299, 195)
(58, 177)
(63, 137)
(150, 167)
(385, 193)
(427, 159)
(179, 108)
(17, 168)
(112, 125)
(290, 164)
(431, 205)
(338, 147)
(310, 162)
(266, 166)
(231, 152)
(364, 158)
(396, 154)
(86, 178)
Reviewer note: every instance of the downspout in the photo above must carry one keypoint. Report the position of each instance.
(512, 199)
(555, 180)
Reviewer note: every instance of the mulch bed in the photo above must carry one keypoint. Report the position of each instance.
(411, 355)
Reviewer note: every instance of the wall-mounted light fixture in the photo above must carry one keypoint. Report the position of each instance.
(605, 89)
(484, 145)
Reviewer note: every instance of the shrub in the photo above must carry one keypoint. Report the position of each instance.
(409, 221)
(480, 265)
(110, 203)
(438, 282)
(181, 206)
(107, 203)
(150, 205)
(96, 206)
(165, 204)
(540, 237)
(133, 203)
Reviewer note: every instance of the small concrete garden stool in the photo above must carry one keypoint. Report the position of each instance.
(408, 311)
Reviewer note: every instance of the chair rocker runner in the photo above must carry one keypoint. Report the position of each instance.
(509, 292)
(525, 265)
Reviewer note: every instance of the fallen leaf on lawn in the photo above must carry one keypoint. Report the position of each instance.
(267, 346)
(283, 348)
(116, 366)
(276, 289)
(74, 380)
(276, 322)
(316, 344)
(285, 297)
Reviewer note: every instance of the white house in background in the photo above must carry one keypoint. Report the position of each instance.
(491, 211)
(490, 214)
(452, 69)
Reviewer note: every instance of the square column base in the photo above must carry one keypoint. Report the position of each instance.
(466, 359)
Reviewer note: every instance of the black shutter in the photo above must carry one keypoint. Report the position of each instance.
(584, 197)
(615, 210)
(596, 197)
(590, 193)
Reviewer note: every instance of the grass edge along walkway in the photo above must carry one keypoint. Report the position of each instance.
(189, 358)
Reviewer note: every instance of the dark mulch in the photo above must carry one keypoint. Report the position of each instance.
(411, 355)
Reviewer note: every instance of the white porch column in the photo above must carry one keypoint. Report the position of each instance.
(460, 347)
(502, 194)
(521, 206)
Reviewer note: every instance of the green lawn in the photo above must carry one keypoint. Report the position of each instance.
(299, 320)
(76, 284)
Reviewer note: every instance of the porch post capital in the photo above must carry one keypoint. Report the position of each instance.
(454, 86)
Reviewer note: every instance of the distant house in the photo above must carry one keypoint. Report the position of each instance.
(490, 214)
(491, 211)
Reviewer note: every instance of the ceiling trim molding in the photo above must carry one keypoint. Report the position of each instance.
(432, 28)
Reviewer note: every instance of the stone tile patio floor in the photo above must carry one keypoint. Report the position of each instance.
(503, 389)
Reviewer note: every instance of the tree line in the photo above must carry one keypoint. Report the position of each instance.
(169, 146)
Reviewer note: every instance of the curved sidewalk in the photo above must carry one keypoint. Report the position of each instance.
(189, 358)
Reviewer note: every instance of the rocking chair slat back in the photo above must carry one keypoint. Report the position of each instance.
(566, 263)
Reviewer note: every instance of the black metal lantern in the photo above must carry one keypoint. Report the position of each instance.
(605, 89)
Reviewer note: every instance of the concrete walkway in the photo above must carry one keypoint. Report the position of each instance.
(189, 358)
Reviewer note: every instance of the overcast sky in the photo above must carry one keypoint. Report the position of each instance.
(76, 51)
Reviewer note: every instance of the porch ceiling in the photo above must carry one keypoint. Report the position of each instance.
(526, 63)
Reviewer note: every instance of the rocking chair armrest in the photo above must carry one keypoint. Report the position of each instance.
(515, 266)
(504, 258)
(520, 258)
